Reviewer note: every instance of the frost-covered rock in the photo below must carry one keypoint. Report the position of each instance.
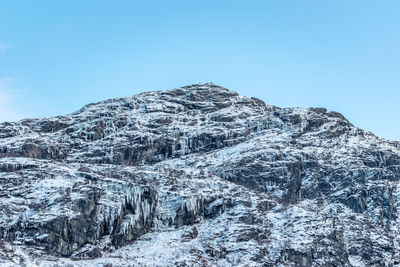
(199, 176)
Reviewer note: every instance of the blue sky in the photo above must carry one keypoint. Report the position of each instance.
(56, 56)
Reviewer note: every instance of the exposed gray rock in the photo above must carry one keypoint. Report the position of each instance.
(197, 176)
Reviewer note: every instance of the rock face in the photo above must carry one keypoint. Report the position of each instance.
(197, 176)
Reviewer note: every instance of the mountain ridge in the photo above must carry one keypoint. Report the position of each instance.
(208, 175)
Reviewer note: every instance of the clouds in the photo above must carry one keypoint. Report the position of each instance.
(4, 47)
(7, 107)
(6, 110)
(11, 107)
(8, 102)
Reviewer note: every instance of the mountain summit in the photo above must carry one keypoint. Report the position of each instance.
(197, 176)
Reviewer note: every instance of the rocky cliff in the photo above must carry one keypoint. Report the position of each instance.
(197, 176)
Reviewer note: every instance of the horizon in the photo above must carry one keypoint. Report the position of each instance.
(56, 57)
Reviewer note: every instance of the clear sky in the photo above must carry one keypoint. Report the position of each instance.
(56, 56)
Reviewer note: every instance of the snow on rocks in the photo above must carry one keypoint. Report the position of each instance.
(197, 175)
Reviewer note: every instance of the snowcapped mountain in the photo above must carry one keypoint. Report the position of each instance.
(197, 176)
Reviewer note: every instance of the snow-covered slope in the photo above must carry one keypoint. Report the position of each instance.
(197, 176)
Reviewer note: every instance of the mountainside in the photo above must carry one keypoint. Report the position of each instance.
(197, 176)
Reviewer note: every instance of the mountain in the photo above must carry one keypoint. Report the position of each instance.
(197, 176)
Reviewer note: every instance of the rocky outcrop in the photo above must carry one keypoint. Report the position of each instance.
(197, 175)
(86, 219)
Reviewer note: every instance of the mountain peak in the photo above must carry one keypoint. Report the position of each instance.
(203, 173)
(206, 92)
